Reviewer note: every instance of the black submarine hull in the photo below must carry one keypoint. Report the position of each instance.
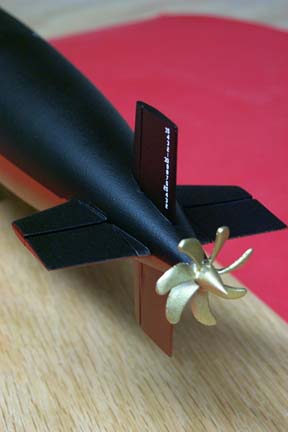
(59, 130)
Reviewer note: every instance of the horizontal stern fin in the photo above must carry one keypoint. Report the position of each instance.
(73, 234)
(208, 207)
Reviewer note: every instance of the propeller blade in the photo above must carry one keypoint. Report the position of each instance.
(177, 300)
(176, 275)
(233, 293)
(236, 264)
(201, 309)
(222, 235)
(192, 247)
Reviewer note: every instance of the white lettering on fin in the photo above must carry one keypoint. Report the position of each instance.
(167, 167)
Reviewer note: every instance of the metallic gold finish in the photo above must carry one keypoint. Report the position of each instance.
(238, 263)
(222, 235)
(177, 300)
(233, 293)
(175, 276)
(185, 282)
(193, 248)
(201, 310)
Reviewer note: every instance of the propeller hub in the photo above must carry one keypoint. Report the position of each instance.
(185, 282)
(209, 280)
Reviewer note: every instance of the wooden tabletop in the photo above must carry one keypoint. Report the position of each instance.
(71, 355)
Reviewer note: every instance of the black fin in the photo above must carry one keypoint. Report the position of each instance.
(73, 234)
(155, 157)
(208, 207)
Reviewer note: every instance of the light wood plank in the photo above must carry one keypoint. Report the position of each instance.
(73, 358)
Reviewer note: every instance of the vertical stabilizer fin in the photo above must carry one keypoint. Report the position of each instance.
(155, 157)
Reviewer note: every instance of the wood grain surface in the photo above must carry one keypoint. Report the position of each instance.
(71, 355)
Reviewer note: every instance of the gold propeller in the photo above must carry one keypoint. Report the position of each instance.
(195, 281)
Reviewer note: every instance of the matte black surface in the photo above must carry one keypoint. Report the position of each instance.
(243, 217)
(75, 233)
(190, 196)
(8, 25)
(84, 245)
(58, 128)
(155, 147)
(72, 214)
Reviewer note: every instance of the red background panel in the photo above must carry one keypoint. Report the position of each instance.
(225, 83)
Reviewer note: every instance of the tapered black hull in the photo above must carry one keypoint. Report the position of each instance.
(61, 131)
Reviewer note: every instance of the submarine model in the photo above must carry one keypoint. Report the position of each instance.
(103, 192)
